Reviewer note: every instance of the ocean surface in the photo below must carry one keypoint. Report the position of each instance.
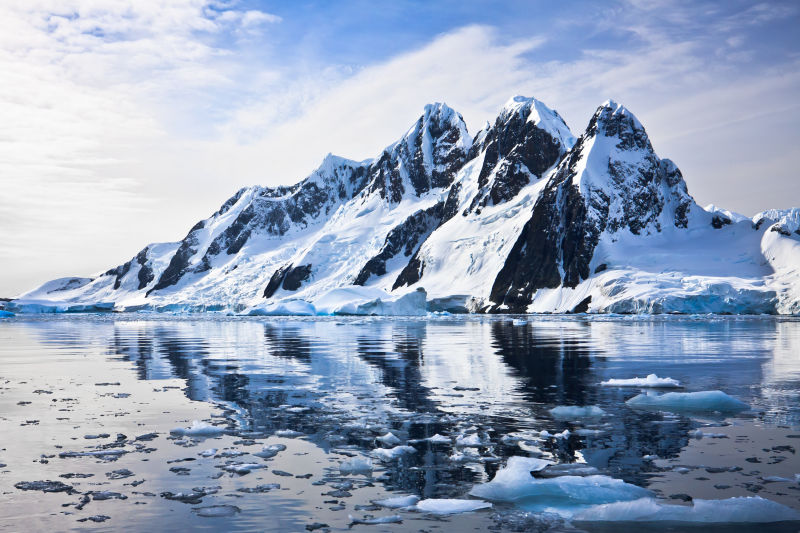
(103, 408)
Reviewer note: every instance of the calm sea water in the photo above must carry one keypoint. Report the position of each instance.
(327, 388)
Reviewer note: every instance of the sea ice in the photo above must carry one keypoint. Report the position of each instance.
(211, 452)
(389, 439)
(689, 401)
(288, 433)
(398, 501)
(356, 465)
(242, 468)
(451, 506)
(392, 453)
(652, 381)
(564, 494)
(270, 450)
(469, 440)
(573, 412)
(732, 510)
(198, 429)
(438, 439)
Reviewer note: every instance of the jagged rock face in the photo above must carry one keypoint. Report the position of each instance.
(427, 157)
(610, 181)
(518, 148)
(404, 238)
(288, 277)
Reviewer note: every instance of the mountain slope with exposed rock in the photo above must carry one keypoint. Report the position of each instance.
(521, 217)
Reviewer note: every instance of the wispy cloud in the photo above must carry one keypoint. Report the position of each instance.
(125, 122)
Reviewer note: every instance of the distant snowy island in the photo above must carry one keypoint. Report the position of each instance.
(522, 217)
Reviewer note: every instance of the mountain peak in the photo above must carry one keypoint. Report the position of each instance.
(616, 121)
(532, 110)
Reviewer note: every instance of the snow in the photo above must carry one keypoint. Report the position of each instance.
(451, 506)
(391, 454)
(198, 429)
(652, 381)
(398, 502)
(572, 412)
(563, 494)
(689, 401)
(753, 509)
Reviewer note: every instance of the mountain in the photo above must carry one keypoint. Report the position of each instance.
(521, 217)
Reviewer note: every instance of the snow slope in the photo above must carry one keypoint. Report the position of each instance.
(521, 217)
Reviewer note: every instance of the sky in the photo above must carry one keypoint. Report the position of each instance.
(124, 122)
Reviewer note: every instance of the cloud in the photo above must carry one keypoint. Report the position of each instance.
(124, 123)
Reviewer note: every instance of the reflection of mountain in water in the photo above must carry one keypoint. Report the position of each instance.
(344, 383)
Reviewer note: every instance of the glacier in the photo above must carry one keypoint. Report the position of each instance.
(522, 217)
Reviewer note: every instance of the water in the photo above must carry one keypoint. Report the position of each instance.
(341, 382)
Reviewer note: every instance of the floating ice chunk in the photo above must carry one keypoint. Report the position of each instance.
(356, 465)
(438, 439)
(777, 479)
(94, 453)
(211, 452)
(732, 510)
(289, 307)
(519, 322)
(393, 453)
(573, 412)
(198, 429)
(288, 433)
(398, 502)
(714, 400)
(651, 381)
(389, 439)
(466, 455)
(451, 506)
(469, 440)
(243, 468)
(563, 494)
(270, 450)
(393, 519)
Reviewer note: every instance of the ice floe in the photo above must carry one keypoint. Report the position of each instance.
(573, 412)
(652, 381)
(356, 465)
(198, 429)
(752, 509)
(451, 506)
(564, 494)
(398, 502)
(714, 400)
(389, 454)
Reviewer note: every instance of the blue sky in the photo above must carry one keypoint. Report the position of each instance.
(125, 122)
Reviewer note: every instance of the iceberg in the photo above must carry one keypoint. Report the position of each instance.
(753, 509)
(393, 453)
(356, 465)
(398, 502)
(714, 400)
(6, 314)
(198, 429)
(451, 506)
(563, 495)
(652, 381)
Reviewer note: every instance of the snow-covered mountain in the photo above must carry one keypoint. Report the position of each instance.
(522, 217)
